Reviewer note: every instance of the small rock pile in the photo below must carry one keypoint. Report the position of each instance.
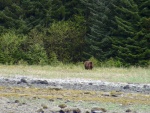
(77, 84)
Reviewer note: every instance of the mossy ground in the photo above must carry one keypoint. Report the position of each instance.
(111, 100)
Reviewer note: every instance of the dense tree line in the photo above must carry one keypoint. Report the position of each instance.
(70, 31)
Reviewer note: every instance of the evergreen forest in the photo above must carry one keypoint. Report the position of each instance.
(46, 32)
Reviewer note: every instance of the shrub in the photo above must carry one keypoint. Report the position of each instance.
(111, 63)
(53, 59)
(37, 55)
(95, 61)
(10, 47)
(65, 40)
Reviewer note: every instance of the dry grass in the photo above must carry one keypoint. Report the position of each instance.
(131, 75)
(76, 95)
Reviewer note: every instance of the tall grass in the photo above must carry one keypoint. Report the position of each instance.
(112, 74)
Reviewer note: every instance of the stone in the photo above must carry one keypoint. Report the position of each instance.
(128, 110)
(62, 106)
(76, 110)
(39, 82)
(44, 106)
(126, 87)
(98, 110)
(40, 111)
(23, 80)
(17, 101)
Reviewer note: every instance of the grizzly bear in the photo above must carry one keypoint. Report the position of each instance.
(88, 65)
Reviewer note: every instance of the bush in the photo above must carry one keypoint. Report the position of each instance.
(66, 40)
(22, 62)
(53, 59)
(95, 61)
(10, 47)
(111, 63)
(37, 55)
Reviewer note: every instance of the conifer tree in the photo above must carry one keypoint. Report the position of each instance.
(128, 40)
(143, 35)
(100, 25)
(58, 10)
(37, 13)
(66, 9)
(10, 15)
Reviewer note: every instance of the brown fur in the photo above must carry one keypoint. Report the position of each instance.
(88, 65)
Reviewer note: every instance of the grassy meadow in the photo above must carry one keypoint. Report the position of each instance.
(112, 74)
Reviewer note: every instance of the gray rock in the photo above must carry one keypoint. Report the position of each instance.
(39, 82)
(79, 84)
(23, 80)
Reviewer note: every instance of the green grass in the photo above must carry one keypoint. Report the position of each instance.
(130, 75)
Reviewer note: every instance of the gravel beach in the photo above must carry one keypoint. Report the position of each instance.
(16, 97)
(76, 84)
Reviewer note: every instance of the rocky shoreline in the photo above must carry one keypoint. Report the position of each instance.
(29, 89)
(75, 84)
